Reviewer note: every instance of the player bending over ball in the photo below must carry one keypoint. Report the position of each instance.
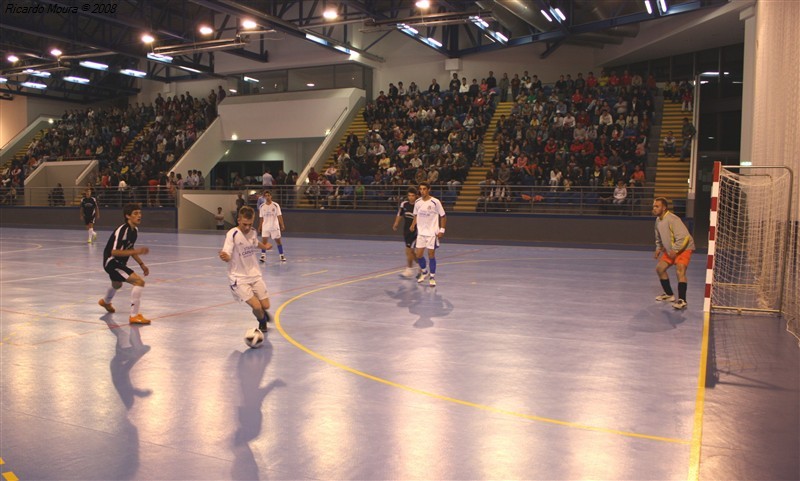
(240, 251)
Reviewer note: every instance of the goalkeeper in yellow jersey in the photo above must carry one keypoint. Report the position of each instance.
(674, 246)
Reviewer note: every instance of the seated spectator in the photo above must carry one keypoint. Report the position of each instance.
(669, 144)
(620, 193)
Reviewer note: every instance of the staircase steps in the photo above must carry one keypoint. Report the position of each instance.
(672, 175)
(357, 127)
(467, 200)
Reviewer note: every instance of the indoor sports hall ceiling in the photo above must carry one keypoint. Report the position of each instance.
(102, 52)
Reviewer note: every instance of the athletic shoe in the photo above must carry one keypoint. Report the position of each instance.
(283, 258)
(680, 304)
(421, 276)
(432, 282)
(407, 272)
(262, 326)
(139, 319)
(666, 297)
(263, 258)
(89, 240)
(94, 236)
(106, 305)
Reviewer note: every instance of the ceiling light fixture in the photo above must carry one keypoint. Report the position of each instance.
(34, 85)
(663, 5)
(94, 65)
(206, 30)
(248, 24)
(330, 14)
(147, 38)
(159, 57)
(250, 79)
(76, 80)
(423, 4)
(648, 7)
(548, 17)
(133, 73)
(56, 52)
(13, 58)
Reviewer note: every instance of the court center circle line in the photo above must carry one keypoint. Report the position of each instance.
(462, 402)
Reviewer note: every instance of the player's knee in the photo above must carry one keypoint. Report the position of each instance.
(116, 285)
(138, 282)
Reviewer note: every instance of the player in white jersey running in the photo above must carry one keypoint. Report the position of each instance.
(429, 223)
(271, 224)
(240, 251)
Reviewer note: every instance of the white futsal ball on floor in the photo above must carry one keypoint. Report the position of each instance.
(254, 338)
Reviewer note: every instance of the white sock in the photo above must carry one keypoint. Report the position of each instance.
(136, 299)
(109, 295)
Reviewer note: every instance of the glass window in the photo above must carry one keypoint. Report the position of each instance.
(311, 78)
(708, 60)
(683, 67)
(731, 130)
(348, 75)
(660, 69)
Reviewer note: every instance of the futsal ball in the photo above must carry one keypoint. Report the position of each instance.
(254, 338)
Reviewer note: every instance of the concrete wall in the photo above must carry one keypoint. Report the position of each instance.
(70, 217)
(196, 214)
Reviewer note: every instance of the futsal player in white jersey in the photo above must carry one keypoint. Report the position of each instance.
(271, 224)
(240, 251)
(429, 223)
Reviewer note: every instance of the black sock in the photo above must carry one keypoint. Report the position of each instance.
(262, 323)
(667, 287)
(682, 290)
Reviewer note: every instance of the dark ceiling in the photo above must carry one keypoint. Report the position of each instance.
(110, 33)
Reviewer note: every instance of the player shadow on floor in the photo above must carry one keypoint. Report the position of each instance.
(129, 349)
(658, 318)
(422, 301)
(250, 368)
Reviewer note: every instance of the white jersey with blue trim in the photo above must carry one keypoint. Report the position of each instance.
(427, 213)
(243, 249)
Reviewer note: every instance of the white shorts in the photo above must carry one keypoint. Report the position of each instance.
(427, 242)
(271, 234)
(244, 291)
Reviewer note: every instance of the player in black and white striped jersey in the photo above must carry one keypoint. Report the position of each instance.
(90, 213)
(406, 213)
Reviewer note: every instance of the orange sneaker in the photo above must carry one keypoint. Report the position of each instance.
(107, 306)
(139, 319)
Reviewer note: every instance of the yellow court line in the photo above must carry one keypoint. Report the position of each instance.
(312, 273)
(439, 396)
(10, 476)
(697, 429)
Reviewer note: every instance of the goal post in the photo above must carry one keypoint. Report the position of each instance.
(751, 253)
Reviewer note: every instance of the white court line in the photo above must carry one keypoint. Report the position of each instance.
(95, 271)
(40, 248)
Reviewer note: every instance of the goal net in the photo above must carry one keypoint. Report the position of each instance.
(751, 249)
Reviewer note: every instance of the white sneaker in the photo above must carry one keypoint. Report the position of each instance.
(432, 282)
(94, 236)
(263, 258)
(407, 272)
(421, 276)
(665, 297)
(283, 258)
(680, 304)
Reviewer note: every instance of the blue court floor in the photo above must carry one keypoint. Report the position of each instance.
(523, 363)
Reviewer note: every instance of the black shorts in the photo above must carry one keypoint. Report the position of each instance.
(410, 238)
(90, 220)
(117, 271)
